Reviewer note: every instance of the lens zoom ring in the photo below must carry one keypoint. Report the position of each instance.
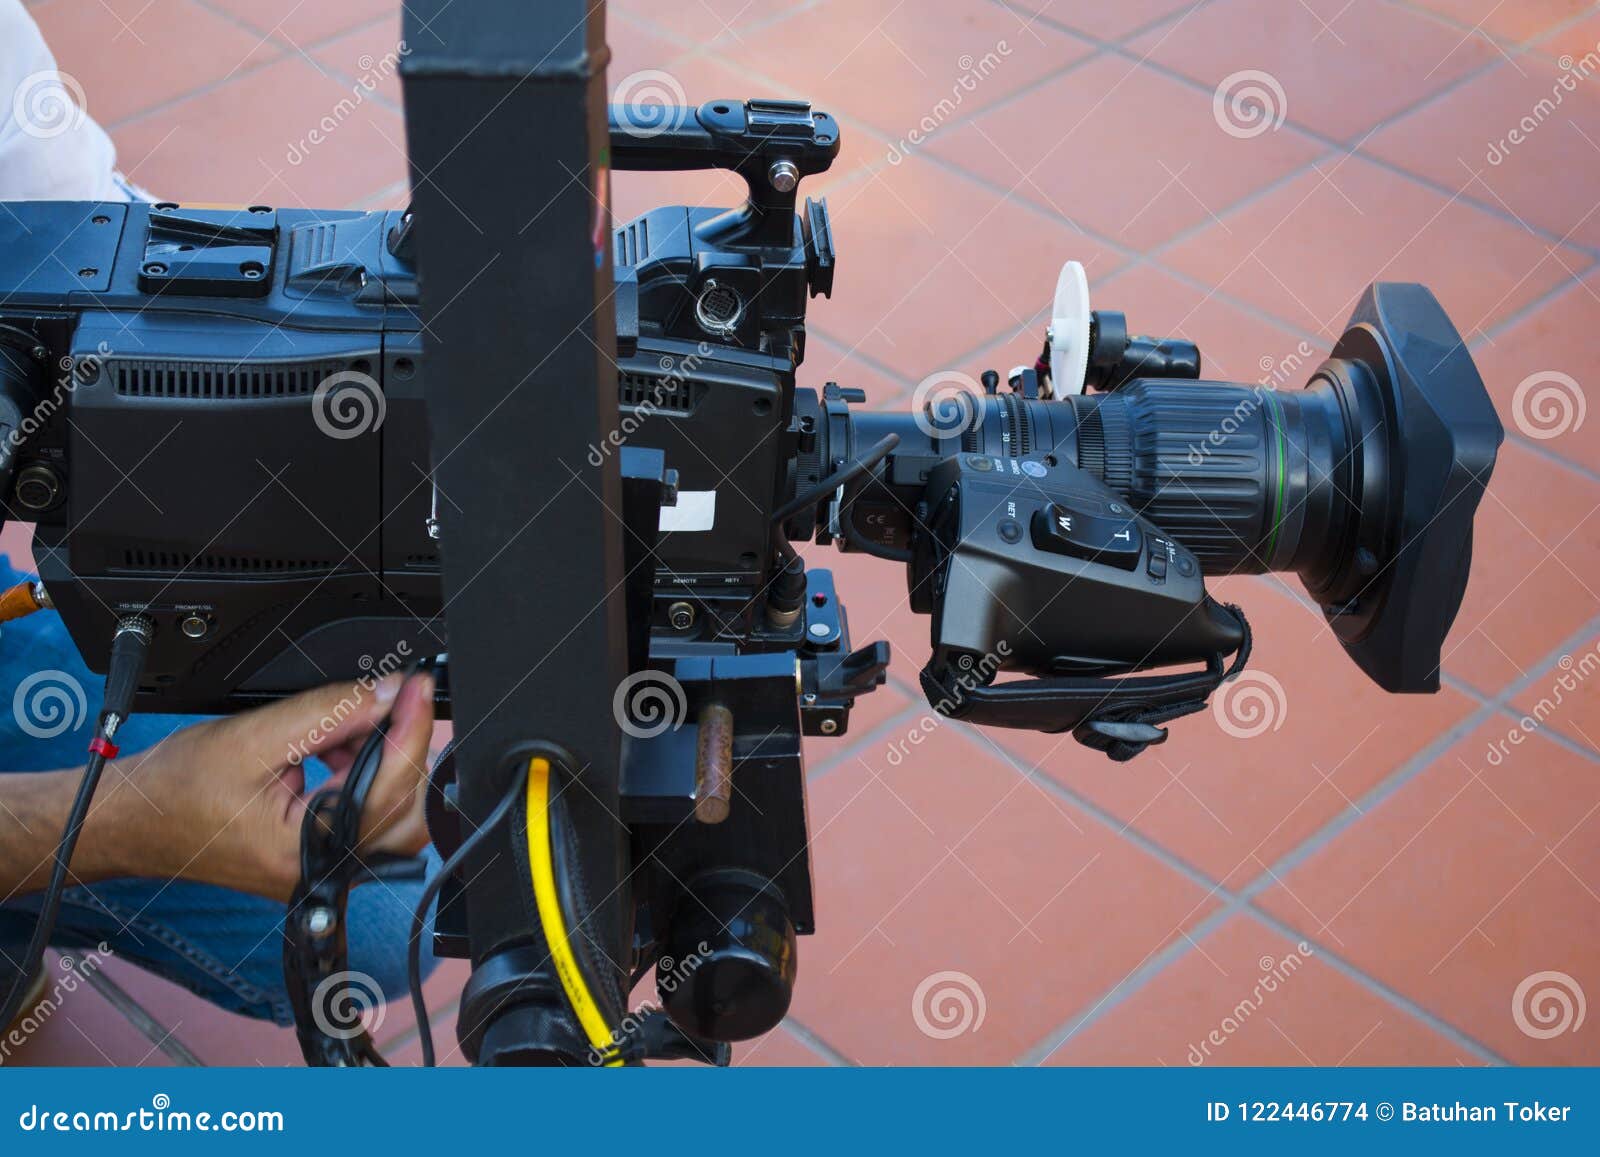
(1192, 457)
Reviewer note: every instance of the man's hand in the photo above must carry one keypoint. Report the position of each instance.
(233, 790)
(222, 802)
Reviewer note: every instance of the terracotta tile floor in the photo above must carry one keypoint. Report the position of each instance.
(1368, 880)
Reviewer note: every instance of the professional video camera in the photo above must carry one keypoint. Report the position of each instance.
(219, 422)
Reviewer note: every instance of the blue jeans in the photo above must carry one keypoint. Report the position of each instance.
(224, 945)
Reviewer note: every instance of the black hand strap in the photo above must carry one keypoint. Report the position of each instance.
(1118, 715)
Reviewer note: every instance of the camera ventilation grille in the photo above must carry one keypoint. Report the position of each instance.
(137, 378)
(667, 394)
(173, 561)
(632, 243)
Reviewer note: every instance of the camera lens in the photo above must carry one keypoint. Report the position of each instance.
(1249, 478)
(1364, 483)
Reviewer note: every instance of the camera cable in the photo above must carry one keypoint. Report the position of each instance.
(128, 649)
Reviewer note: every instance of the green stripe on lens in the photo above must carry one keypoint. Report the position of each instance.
(1277, 502)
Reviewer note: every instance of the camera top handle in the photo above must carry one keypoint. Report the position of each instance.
(772, 144)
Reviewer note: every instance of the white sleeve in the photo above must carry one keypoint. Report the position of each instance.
(50, 148)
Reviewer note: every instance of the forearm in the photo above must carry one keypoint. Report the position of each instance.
(223, 802)
(119, 838)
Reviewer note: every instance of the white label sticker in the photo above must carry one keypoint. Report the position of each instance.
(696, 510)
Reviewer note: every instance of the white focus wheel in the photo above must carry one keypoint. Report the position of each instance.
(1069, 332)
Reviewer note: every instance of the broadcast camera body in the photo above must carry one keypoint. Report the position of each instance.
(217, 419)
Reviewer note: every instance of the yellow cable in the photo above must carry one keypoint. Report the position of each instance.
(548, 899)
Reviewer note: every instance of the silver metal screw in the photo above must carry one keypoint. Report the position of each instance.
(784, 176)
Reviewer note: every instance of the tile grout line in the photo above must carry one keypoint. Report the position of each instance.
(1398, 779)
(813, 1041)
(163, 1038)
(1243, 898)
(885, 730)
(1151, 967)
(1542, 666)
(281, 52)
(1532, 44)
(1509, 711)
(1120, 49)
(1363, 979)
(1239, 900)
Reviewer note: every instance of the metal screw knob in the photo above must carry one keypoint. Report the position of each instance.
(784, 176)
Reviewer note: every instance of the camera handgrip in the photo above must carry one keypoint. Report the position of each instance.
(772, 144)
(1117, 715)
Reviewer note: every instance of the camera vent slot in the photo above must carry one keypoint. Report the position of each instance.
(136, 378)
(633, 243)
(312, 246)
(423, 561)
(664, 394)
(175, 561)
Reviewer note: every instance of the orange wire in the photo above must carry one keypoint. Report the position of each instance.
(20, 600)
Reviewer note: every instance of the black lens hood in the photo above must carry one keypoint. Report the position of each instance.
(1426, 434)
